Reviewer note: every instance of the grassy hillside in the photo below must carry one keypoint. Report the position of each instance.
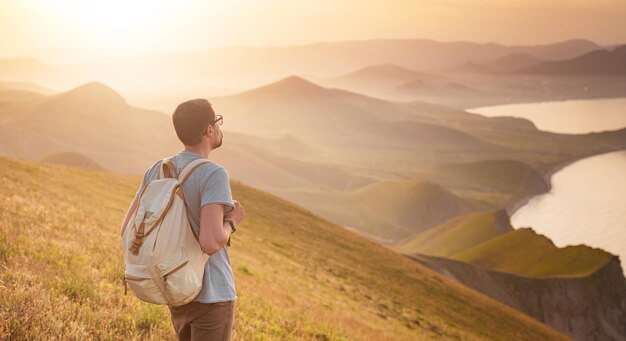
(524, 252)
(456, 235)
(507, 176)
(72, 159)
(397, 209)
(498, 183)
(298, 276)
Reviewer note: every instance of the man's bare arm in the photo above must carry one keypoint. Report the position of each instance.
(214, 233)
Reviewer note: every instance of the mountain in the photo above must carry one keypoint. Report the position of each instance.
(296, 275)
(424, 89)
(527, 271)
(456, 234)
(27, 87)
(508, 63)
(397, 209)
(72, 159)
(92, 120)
(265, 167)
(511, 62)
(507, 181)
(386, 73)
(564, 50)
(595, 63)
(95, 121)
(596, 302)
(541, 258)
(338, 142)
(330, 118)
(226, 70)
(377, 79)
(17, 97)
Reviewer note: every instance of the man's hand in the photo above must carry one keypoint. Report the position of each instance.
(237, 214)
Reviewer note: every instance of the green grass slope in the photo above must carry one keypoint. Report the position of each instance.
(508, 176)
(498, 182)
(456, 235)
(298, 276)
(524, 252)
(398, 209)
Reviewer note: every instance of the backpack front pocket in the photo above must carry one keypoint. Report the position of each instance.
(141, 283)
(180, 280)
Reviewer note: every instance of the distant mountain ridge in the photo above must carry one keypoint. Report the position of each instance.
(231, 68)
(508, 63)
(599, 63)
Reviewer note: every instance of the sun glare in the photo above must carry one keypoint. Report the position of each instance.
(114, 24)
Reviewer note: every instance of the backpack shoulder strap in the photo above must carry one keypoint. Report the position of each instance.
(189, 168)
(167, 169)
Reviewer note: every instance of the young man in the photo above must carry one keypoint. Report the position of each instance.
(210, 205)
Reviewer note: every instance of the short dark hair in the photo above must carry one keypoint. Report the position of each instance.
(191, 118)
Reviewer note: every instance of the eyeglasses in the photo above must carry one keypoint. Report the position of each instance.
(219, 119)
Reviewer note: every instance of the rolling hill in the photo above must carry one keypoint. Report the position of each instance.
(527, 271)
(506, 64)
(298, 276)
(596, 302)
(92, 120)
(501, 183)
(397, 209)
(456, 235)
(424, 89)
(524, 252)
(72, 159)
(378, 80)
(29, 87)
(341, 121)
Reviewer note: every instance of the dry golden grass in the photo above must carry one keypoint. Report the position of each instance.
(298, 277)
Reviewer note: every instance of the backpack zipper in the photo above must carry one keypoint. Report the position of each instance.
(174, 270)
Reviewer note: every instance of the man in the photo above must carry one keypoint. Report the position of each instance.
(208, 197)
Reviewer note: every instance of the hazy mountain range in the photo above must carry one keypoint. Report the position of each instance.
(162, 80)
(321, 148)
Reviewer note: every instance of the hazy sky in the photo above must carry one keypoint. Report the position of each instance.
(136, 26)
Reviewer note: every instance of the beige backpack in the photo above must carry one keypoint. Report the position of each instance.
(164, 263)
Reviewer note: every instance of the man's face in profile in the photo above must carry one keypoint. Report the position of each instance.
(217, 137)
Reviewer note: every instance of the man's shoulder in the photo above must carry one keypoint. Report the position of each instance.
(210, 168)
(152, 170)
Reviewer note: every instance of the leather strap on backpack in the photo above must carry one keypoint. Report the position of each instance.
(184, 175)
(189, 168)
(167, 169)
(141, 234)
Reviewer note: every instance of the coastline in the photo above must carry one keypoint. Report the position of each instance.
(472, 109)
(548, 179)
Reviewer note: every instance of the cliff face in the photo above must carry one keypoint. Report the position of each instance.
(586, 308)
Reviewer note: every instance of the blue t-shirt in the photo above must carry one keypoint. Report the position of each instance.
(208, 184)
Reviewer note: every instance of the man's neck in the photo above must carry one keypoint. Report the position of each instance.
(202, 150)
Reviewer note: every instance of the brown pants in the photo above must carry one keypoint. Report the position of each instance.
(204, 321)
